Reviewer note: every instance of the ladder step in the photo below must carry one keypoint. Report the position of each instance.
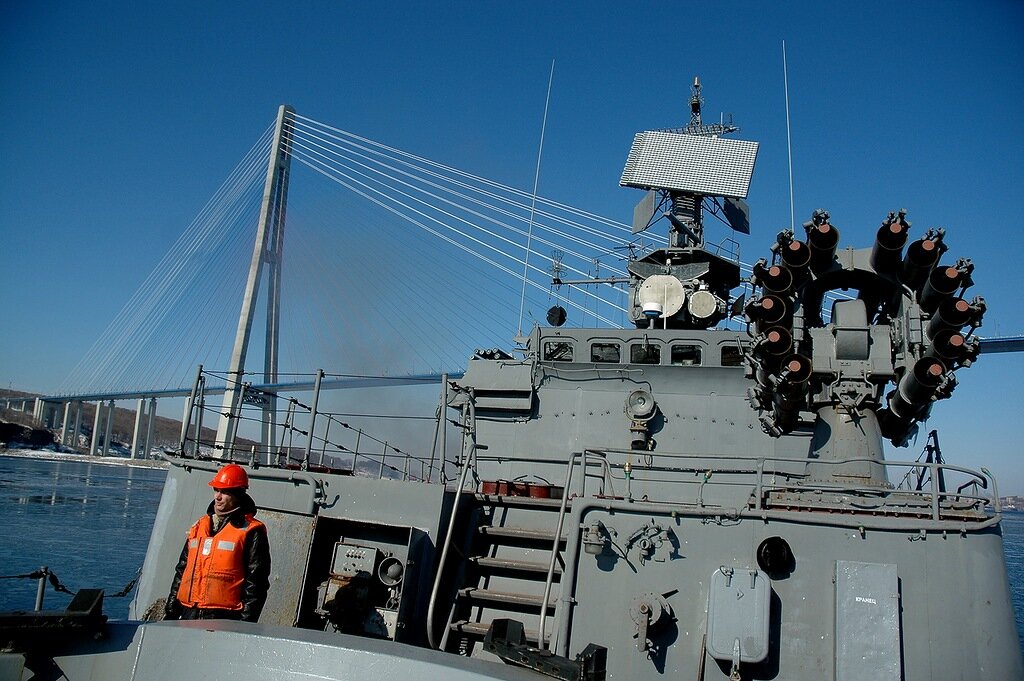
(517, 565)
(505, 597)
(520, 533)
(479, 630)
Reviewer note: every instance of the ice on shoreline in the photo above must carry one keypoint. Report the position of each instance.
(50, 455)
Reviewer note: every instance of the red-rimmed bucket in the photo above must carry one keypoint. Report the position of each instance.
(519, 488)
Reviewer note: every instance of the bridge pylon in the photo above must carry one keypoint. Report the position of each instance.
(267, 251)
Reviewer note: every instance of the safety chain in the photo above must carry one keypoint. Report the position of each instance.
(59, 587)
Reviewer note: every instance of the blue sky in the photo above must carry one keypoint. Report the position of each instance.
(119, 121)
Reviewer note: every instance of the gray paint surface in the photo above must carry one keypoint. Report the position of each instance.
(867, 622)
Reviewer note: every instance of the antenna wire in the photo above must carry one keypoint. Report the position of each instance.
(533, 202)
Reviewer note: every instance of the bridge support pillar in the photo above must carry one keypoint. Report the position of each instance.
(94, 444)
(78, 424)
(37, 410)
(148, 442)
(110, 428)
(65, 423)
(140, 412)
(44, 413)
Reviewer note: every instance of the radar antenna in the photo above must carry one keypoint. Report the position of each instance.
(684, 166)
(684, 285)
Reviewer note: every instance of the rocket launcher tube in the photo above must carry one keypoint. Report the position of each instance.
(953, 314)
(917, 387)
(889, 242)
(795, 371)
(795, 255)
(774, 342)
(822, 239)
(942, 283)
(775, 279)
(921, 258)
(788, 396)
(948, 346)
(767, 311)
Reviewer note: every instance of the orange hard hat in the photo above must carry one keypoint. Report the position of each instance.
(231, 476)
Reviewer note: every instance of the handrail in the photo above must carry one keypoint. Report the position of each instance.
(317, 498)
(468, 455)
(549, 579)
(302, 454)
(760, 469)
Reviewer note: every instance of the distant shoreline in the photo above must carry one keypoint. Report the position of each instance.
(47, 455)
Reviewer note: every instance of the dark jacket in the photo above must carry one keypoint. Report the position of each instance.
(257, 573)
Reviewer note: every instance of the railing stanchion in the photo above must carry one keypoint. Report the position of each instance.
(41, 588)
(199, 414)
(327, 434)
(312, 419)
(186, 420)
(440, 432)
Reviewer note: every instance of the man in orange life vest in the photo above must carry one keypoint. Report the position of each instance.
(224, 568)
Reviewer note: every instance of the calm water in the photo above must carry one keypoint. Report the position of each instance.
(1013, 547)
(90, 523)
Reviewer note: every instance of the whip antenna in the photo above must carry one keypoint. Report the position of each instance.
(533, 203)
(789, 138)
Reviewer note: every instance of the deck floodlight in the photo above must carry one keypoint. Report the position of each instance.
(691, 164)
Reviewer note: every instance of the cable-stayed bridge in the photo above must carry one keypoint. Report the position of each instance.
(394, 280)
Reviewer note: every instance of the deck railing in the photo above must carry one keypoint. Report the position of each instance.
(764, 475)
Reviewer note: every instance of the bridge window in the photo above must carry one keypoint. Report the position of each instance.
(645, 353)
(732, 356)
(685, 355)
(605, 353)
(557, 351)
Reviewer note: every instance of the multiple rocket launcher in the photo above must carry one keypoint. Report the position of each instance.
(906, 325)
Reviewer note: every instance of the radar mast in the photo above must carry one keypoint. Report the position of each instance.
(686, 171)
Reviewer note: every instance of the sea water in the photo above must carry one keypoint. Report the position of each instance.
(90, 523)
(1013, 548)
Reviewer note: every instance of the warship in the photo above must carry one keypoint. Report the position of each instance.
(678, 499)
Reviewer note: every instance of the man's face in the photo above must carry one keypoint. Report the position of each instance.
(224, 501)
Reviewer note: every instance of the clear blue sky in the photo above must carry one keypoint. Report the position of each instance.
(119, 120)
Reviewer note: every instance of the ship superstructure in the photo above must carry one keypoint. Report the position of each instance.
(671, 500)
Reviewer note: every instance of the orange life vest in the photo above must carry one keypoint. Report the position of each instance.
(215, 570)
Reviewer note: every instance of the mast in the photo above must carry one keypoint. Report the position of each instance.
(686, 171)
